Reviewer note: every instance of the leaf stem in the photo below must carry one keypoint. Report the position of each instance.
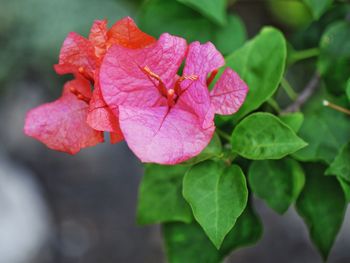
(273, 103)
(224, 135)
(288, 89)
(336, 107)
(305, 54)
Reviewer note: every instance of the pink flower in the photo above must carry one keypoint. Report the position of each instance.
(166, 118)
(76, 120)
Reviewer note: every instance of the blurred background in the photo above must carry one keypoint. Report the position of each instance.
(56, 208)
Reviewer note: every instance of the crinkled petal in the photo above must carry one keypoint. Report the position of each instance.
(100, 116)
(126, 33)
(228, 93)
(77, 55)
(124, 83)
(61, 124)
(98, 37)
(163, 136)
(201, 60)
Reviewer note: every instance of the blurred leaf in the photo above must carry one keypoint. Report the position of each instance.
(159, 16)
(262, 136)
(324, 129)
(277, 182)
(293, 120)
(217, 195)
(334, 59)
(345, 185)
(214, 10)
(247, 231)
(189, 243)
(260, 63)
(318, 7)
(322, 206)
(160, 195)
(341, 164)
(214, 149)
(231, 37)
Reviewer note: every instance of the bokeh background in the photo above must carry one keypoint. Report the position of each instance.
(56, 208)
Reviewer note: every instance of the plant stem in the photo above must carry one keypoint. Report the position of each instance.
(273, 103)
(305, 54)
(224, 135)
(289, 89)
(307, 92)
(336, 107)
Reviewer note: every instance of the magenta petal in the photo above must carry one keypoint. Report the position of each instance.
(202, 60)
(78, 54)
(228, 93)
(61, 124)
(124, 83)
(161, 135)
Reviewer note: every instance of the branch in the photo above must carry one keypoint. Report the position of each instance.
(304, 96)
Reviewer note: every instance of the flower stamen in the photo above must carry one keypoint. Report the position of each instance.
(79, 95)
(161, 87)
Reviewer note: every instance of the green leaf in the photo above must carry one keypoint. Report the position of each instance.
(277, 182)
(263, 136)
(159, 16)
(214, 10)
(318, 7)
(217, 195)
(293, 120)
(260, 63)
(341, 164)
(322, 206)
(214, 149)
(247, 231)
(160, 195)
(345, 185)
(325, 130)
(188, 242)
(334, 59)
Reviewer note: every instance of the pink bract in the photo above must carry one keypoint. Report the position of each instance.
(61, 124)
(166, 118)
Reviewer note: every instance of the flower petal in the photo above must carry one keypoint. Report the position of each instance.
(98, 37)
(61, 124)
(228, 93)
(77, 55)
(163, 136)
(100, 117)
(122, 80)
(201, 60)
(126, 33)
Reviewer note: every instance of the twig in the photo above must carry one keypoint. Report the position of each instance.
(335, 107)
(309, 89)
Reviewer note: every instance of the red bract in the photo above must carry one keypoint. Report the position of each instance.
(165, 118)
(76, 119)
(61, 124)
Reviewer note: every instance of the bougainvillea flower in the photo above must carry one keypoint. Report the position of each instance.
(81, 56)
(166, 118)
(61, 124)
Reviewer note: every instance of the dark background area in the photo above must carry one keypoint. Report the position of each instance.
(57, 208)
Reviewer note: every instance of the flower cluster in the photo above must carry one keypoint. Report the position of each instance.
(137, 94)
